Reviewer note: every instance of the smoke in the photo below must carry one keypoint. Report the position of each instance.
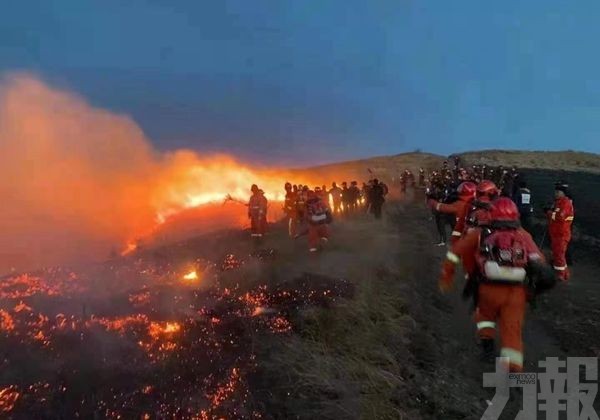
(74, 178)
(77, 180)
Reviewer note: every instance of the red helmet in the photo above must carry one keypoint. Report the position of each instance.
(487, 188)
(466, 189)
(504, 210)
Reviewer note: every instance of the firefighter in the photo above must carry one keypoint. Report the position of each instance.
(479, 214)
(508, 268)
(354, 196)
(421, 177)
(257, 212)
(376, 198)
(436, 191)
(336, 197)
(525, 205)
(318, 216)
(301, 202)
(459, 208)
(345, 197)
(289, 206)
(403, 181)
(560, 219)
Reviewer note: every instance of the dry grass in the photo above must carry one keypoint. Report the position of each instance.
(345, 361)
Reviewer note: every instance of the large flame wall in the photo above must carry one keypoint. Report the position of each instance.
(78, 180)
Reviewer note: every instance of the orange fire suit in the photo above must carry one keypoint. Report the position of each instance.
(498, 302)
(289, 206)
(560, 219)
(459, 209)
(301, 204)
(257, 212)
(317, 231)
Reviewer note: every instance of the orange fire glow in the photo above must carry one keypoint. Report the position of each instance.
(191, 276)
(7, 323)
(8, 398)
(81, 180)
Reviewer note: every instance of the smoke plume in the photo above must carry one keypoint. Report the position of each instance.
(77, 180)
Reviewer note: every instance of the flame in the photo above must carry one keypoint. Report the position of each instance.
(129, 248)
(192, 275)
(82, 180)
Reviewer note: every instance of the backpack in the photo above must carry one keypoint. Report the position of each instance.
(503, 257)
(318, 213)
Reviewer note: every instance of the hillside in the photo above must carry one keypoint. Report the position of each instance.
(388, 167)
(564, 160)
(384, 167)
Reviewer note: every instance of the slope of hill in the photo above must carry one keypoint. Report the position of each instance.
(390, 167)
(384, 167)
(567, 160)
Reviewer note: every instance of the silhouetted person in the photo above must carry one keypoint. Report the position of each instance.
(377, 199)
(522, 199)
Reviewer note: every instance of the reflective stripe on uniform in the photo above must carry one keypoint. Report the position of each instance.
(515, 357)
(453, 257)
(554, 214)
(485, 324)
(456, 233)
(561, 268)
(535, 256)
(569, 219)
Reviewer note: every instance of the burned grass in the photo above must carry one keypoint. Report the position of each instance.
(146, 339)
(352, 361)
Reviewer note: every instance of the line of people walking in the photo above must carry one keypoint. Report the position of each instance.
(310, 211)
(503, 266)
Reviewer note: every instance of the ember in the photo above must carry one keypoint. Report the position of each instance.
(8, 398)
(187, 352)
(230, 262)
(6, 322)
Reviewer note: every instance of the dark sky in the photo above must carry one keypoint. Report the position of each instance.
(314, 81)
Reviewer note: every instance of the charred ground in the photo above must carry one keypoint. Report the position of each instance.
(359, 331)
